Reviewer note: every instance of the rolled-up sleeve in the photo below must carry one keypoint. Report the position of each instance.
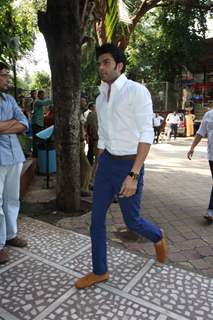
(18, 114)
(202, 129)
(101, 144)
(143, 111)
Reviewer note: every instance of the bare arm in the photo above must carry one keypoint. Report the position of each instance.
(142, 152)
(6, 125)
(194, 144)
(11, 126)
(129, 185)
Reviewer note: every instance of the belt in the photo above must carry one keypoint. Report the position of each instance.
(123, 157)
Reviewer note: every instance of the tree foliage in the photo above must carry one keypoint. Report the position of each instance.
(41, 80)
(165, 43)
(17, 28)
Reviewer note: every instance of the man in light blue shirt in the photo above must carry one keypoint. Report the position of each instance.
(12, 122)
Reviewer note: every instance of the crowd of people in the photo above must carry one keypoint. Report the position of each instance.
(118, 129)
(168, 126)
(39, 112)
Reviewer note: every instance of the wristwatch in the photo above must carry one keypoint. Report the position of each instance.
(133, 175)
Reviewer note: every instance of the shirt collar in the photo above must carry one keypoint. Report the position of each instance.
(2, 95)
(118, 84)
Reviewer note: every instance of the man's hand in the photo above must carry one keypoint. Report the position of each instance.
(128, 187)
(190, 154)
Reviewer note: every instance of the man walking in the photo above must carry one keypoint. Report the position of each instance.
(206, 129)
(157, 122)
(173, 120)
(125, 131)
(12, 121)
(38, 118)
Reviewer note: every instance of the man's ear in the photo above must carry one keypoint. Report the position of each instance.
(120, 66)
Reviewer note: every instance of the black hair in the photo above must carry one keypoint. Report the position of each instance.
(83, 95)
(117, 53)
(40, 91)
(3, 66)
(91, 105)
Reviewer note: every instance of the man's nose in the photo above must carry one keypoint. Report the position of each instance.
(101, 66)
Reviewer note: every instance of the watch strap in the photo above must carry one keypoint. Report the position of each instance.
(133, 175)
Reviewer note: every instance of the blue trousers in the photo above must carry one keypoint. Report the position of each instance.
(109, 178)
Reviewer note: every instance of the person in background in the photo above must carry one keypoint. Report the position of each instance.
(157, 122)
(21, 102)
(37, 119)
(205, 129)
(189, 123)
(125, 132)
(12, 122)
(173, 121)
(86, 169)
(49, 117)
(92, 133)
(33, 96)
(84, 109)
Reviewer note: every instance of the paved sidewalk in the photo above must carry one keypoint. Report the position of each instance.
(175, 197)
(37, 283)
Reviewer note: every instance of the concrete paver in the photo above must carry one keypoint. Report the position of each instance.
(175, 197)
(37, 283)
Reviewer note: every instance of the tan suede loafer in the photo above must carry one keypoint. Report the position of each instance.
(161, 249)
(90, 279)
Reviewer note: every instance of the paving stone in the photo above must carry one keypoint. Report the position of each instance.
(190, 235)
(190, 244)
(177, 257)
(191, 254)
(123, 265)
(200, 263)
(30, 287)
(14, 257)
(188, 292)
(208, 239)
(53, 243)
(205, 251)
(209, 259)
(134, 246)
(100, 304)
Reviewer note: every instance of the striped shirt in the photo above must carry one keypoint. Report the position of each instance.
(10, 150)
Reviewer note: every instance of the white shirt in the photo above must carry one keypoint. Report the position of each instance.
(173, 119)
(157, 121)
(126, 119)
(206, 129)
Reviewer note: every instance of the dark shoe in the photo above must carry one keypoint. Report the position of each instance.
(90, 279)
(208, 218)
(17, 242)
(4, 256)
(161, 249)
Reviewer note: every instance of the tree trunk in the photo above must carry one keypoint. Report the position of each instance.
(60, 26)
